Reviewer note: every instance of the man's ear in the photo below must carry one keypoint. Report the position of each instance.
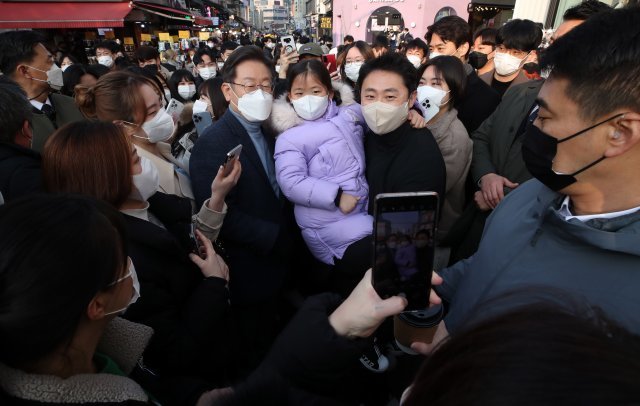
(464, 49)
(624, 134)
(25, 136)
(412, 98)
(226, 91)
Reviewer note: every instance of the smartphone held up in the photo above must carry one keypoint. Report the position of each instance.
(404, 232)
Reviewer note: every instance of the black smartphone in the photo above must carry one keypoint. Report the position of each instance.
(195, 243)
(232, 156)
(404, 234)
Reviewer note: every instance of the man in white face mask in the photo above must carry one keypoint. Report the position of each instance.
(106, 54)
(258, 230)
(516, 45)
(399, 158)
(25, 59)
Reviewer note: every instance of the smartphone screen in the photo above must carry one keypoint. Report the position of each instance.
(404, 232)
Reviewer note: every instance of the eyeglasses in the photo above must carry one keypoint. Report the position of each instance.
(354, 60)
(250, 87)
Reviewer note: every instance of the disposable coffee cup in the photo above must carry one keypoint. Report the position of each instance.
(416, 326)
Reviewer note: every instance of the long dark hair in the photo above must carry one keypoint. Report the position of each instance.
(315, 68)
(58, 251)
(212, 89)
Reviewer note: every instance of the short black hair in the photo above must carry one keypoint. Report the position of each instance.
(17, 47)
(175, 79)
(417, 44)
(145, 53)
(450, 28)
(488, 36)
(452, 71)
(112, 46)
(523, 35)
(601, 75)
(246, 53)
(197, 58)
(14, 109)
(583, 11)
(71, 77)
(389, 62)
(381, 41)
(228, 46)
(212, 89)
(348, 38)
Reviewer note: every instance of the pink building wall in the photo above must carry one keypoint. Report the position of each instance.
(348, 14)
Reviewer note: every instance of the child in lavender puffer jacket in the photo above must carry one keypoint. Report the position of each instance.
(320, 163)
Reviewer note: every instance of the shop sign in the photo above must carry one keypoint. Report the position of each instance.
(203, 36)
(184, 34)
(128, 41)
(325, 22)
(145, 37)
(164, 36)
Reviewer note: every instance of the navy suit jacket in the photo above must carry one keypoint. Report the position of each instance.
(257, 231)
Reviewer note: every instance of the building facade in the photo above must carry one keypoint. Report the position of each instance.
(364, 19)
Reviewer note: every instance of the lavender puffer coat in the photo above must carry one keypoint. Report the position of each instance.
(314, 159)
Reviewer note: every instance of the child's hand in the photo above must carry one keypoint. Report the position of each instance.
(348, 203)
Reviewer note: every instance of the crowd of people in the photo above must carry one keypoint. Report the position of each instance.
(141, 264)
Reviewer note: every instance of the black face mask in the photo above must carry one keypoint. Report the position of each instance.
(539, 150)
(151, 68)
(477, 59)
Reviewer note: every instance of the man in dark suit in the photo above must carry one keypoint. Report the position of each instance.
(25, 59)
(258, 229)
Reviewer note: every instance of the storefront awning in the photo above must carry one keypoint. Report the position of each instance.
(63, 15)
(164, 11)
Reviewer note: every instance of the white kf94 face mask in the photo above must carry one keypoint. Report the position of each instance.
(311, 107)
(383, 118)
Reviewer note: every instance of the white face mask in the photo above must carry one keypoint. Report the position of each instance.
(506, 64)
(415, 60)
(146, 183)
(159, 128)
(382, 118)
(430, 99)
(270, 45)
(207, 72)
(200, 106)
(255, 106)
(64, 67)
(435, 54)
(105, 60)
(136, 288)
(311, 107)
(187, 91)
(220, 65)
(167, 94)
(352, 70)
(54, 76)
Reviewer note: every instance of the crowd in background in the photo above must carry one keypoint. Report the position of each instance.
(141, 264)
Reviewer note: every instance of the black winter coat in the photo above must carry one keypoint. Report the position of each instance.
(20, 171)
(189, 313)
(477, 104)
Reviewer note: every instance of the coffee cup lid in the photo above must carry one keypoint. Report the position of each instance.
(423, 318)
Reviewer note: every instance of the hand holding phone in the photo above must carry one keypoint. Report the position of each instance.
(404, 232)
(209, 262)
(232, 156)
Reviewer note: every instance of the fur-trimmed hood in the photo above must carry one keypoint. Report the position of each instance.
(283, 115)
(123, 341)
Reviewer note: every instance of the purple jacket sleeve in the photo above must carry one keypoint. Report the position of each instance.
(294, 180)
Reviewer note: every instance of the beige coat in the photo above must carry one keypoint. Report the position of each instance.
(456, 148)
